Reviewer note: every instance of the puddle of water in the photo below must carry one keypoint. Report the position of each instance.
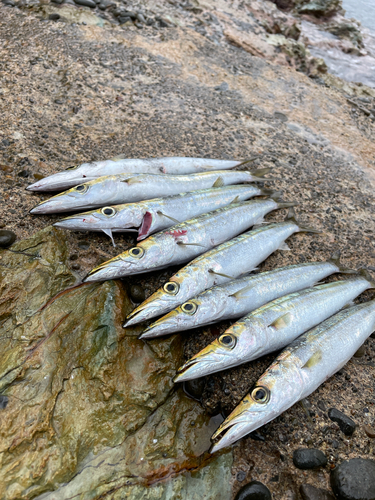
(362, 10)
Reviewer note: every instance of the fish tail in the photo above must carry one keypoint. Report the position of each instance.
(364, 272)
(335, 260)
(247, 160)
(291, 217)
(260, 173)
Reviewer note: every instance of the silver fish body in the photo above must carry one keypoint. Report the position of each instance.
(118, 165)
(299, 370)
(239, 297)
(185, 241)
(160, 213)
(125, 188)
(272, 327)
(228, 261)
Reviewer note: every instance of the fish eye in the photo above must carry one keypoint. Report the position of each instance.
(82, 188)
(261, 395)
(227, 340)
(189, 307)
(137, 252)
(72, 168)
(171, 287)
(108, 211)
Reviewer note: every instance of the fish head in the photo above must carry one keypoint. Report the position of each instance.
(77, 198)
(62, 180)
(228, 350)
(163, 300)
(103, 218)
(268, 399)
(146, 255)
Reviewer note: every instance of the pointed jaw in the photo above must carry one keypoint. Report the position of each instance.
(164, 326)
(56, 182)
(235, 430)
(112, 269)
(80, 222)
(144, 312)
(204, 363)
(56, 204)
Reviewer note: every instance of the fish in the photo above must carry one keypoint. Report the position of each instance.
(127, 188)
(90, 171)
(236, 298)
(272, 327)
(150, 216)
(185, 241)
(298, 371)
(228, 261)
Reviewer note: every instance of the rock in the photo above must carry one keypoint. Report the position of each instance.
(347, 31)
(6, 238)
(194, 388)
(106, 4)
(86, 3)
(137, 293)
(309, 492)
(254, 491)
(309, 458)
(223, 87)
(53, 17)
(320, 8)
(370, 431)
(354, 480)
(57, 1)
(3, 402)
(9, 3)
(346, 424)
(280, 116)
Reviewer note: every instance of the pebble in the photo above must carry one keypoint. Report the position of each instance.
(194, 388)
(309, 458)
(53, 17)
(223, 87)
(280, 116)
(309, 492)
(10, 3)
(354, 480)
(6, 238)
(86, 3)
(370, 431)
(3, 402)
(346, 424)
(137, 293)
(241, 476)
(24, 173)
(254, 491)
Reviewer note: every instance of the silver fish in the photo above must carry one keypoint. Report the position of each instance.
(73, 176)
(183, 242)
(126, 188)
(272, 327)
(155, 215)
(226, 262)
(299, 370)
(238, 297)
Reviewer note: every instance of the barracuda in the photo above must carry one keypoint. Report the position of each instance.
(73, 176)
(238, 297)
(150, 216)
(125, 188)
(224, 263)
(272, 327)
(299, 370)
(183, 242)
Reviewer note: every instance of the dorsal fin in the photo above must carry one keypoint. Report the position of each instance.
(218, 183)
(282, 321)
(242, 292)
(364, 272)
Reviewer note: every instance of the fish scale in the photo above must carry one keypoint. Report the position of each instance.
(272, 327)
(299, 370)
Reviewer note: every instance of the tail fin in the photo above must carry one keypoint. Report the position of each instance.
(335, 260)
(291, 216)
(269, 192)
(248, 160)
(260, 173)
(364, 272)
(286, 204)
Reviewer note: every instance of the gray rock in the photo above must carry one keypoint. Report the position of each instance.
(280, 116)
(354, 480)
(309, 492)
(10, 3)
(223, 87)
(137, 293)
(3, 402)
(53, 17)
(309, 458)
(6, 238)
(254, 491)
(86, 3)
(346, 424)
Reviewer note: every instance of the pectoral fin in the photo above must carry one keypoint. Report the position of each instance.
(220, 274)
(108, 232)
(313, 360)
(282, 321)
(241, 293)
(132, 180)
(284, 246)
(181, 243)
(236, 199)
(218, 183)
(159, 212)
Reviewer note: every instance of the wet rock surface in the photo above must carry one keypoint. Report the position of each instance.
(354, 480)
(346, 424)
(309, 458)
(91, 91)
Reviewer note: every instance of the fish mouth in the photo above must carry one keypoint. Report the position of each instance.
(112, 269)
(142, 313)
(182, 373)
(235, 430)
(164, 326)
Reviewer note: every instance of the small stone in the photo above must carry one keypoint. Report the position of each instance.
(370, 431)
(74, 256)
(38, 177)
(76, 267)
(241, 476)
(280, 116)
(361, 352)
(309, 458)
(57, 1)
(54, 17)
(309, 492)
(346, 424)
(23, 173)
(10, 3)
(254, 491)
(163, 24)
(354, 479)
(6, 238)
(141, 18)
(3, 402)
(194, 388)
(86, 3)
(223, 87)
(137, 293)
(5, 168)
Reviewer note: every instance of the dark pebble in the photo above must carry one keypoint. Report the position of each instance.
(23, 173)
(254, 491)
(194, 388)
(57, 1)
(6, 238)
(346, 424)
(163, 24)
(354, 480)
(74, 256)
(309, 492)
(370, 431)
(280, 116)
(309, 458)
(241, 476)
(83, 245)
(10, 3)
(86, 3)
(3, 402)
(223, 87)
(54, 17)
(137, 293)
